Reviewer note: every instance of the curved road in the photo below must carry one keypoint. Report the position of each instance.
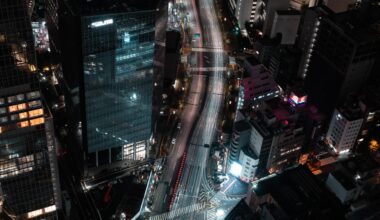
(194, 172)
(188, 117)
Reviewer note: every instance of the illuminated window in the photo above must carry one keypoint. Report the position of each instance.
(12, 99)
(36, 103)
(35, 213)
(12, 108)
(3, 119)
(37, 121)
(3, 110)
(1, 129)
(20, 97)
(24, 124)
(21, 106)
(32, 67)
(50, 209)
(32, 95)
(23, 115)
(2, 38)
(2, 101)
(36, 112)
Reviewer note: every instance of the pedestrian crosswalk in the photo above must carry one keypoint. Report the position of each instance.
(207, 69)
(181, 211)
(205, 49)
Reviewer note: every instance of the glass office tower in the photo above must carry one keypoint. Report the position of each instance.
(117, 52)
(29, 185)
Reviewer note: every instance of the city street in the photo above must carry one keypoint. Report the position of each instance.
(184, 190)
(194, 175)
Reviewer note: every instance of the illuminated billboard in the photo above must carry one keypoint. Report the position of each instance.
(295, 100)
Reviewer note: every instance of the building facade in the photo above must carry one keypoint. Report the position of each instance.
(248, 161)
(344, 129)
(276, 136)
(271, 6)
(244, 11)
(108, 65)
(286, 23)
(346, 46)
(240, 139)
(258, 86)
(29, 184)
(117, 85)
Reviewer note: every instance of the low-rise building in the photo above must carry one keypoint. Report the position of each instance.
(259, 85)
(276, 136)
(344, 127)
(249, 161)
(293, 194)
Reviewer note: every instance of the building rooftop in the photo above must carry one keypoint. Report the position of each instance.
(94, 7)
(288, 12)
(300, 195)
(371, 98)
(249, 152)
(252, 60)
(241, 126)
(361, 25)
(242, 212)
(360, 165)
(273, 117)
(351, 110)
(346, 181)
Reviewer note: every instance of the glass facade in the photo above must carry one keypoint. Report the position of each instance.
(28, 167)
(118, 82)
(16, 43)
(29, 185)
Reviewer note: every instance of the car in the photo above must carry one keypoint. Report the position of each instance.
(173, 141)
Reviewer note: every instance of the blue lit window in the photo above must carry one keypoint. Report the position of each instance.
(127, 37)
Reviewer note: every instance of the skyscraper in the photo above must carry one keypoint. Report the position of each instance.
(345, 48)
(29, 185)
(109, 60)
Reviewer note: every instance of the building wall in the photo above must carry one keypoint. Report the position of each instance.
(256, 141)
(16, 44)
(339, 6)
(261, 142)
(342, 133)
(271, 7)
(300, 4)
(259, 86)
(286, 149)
(28, 174)
(245, 11)
(344, 61)
(287, 25)
(240, 138)
(249, 166)
(336, 187)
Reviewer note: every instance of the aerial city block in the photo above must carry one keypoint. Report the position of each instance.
(190, 109)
